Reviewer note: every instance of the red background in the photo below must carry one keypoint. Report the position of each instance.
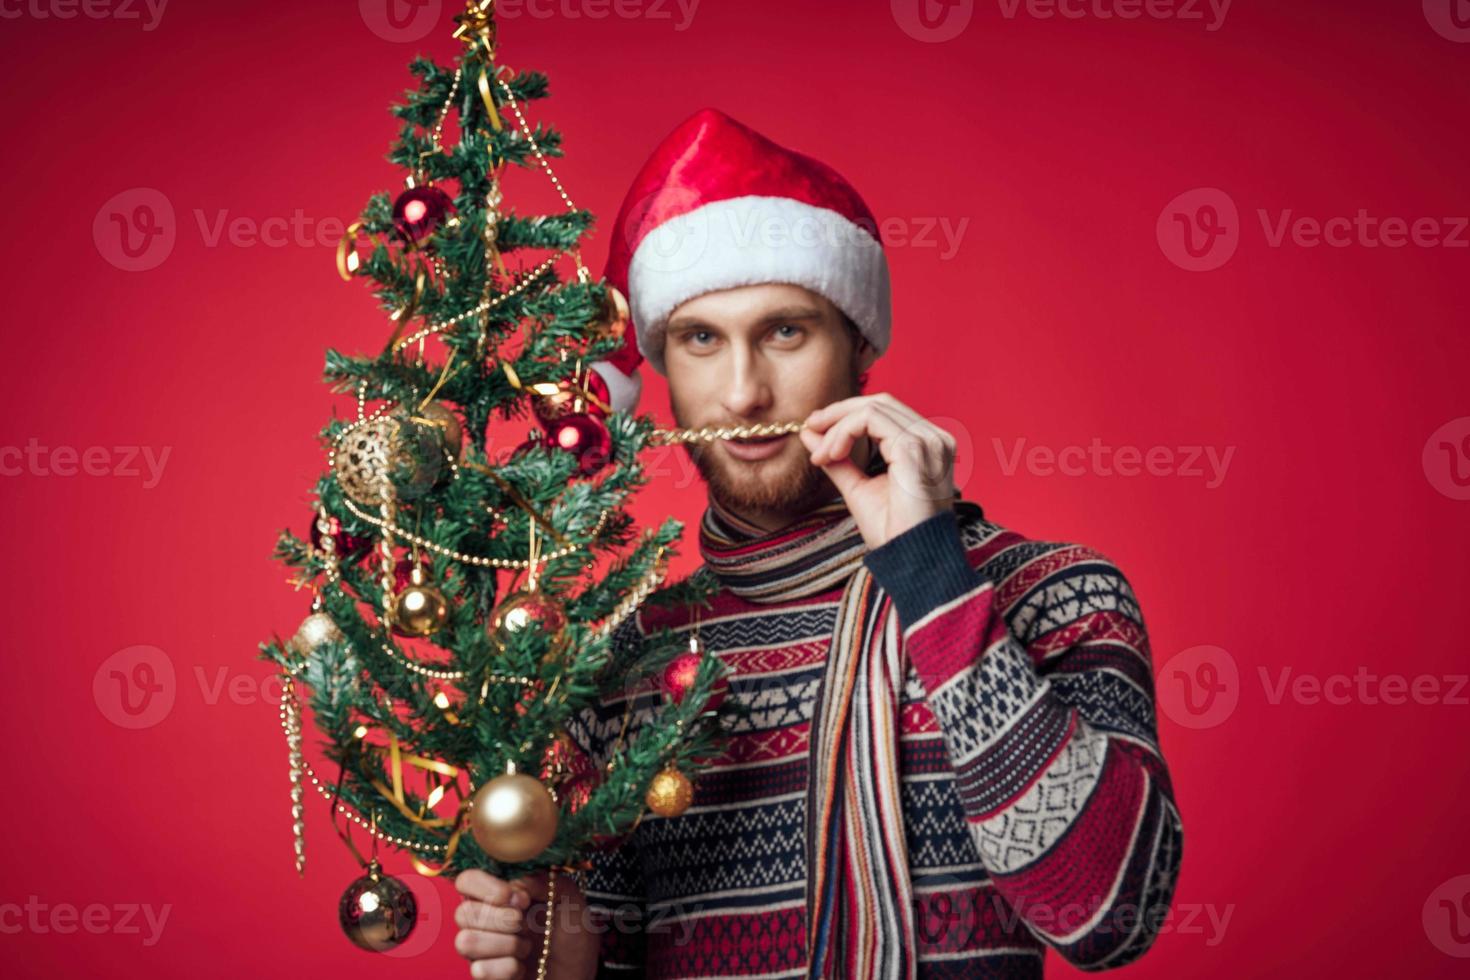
(1320, 829)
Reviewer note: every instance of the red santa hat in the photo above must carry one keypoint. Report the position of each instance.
(717, 206)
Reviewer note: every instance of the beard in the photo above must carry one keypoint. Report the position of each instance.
(787, 483)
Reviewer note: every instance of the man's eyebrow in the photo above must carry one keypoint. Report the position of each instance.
(784, 313)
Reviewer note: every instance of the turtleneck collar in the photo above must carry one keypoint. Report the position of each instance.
(815, 552)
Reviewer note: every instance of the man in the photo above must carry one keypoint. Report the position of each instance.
(950, 762)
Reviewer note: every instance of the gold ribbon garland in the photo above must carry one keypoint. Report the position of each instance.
(396, 758)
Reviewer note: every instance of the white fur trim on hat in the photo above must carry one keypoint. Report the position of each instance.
(743, 241)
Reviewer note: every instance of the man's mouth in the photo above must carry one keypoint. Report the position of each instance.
(755, 448)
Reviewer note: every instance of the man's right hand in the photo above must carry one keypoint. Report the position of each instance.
(503, 943)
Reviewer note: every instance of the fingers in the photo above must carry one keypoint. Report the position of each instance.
(474, 914)
(485, 887)
(474, 944)
(886, 424)
(500, 968)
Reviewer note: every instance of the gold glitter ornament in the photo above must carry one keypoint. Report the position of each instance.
(397, 456)
(670, 793)
(315, 630)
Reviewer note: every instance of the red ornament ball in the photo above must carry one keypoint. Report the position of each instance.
(584, 436)
(419, 211)
(347, 547)
(403, 572)
(549, 408)
(679, 675)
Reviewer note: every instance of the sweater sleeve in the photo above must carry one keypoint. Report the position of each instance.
(1035, 663)
(614, 882)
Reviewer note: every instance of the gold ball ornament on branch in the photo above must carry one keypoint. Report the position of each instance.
(530, 610)
(377, 911)
(612, 319)
(513, 817)
(395, 456)
(419, 609)
(442, 417)
(670, 793)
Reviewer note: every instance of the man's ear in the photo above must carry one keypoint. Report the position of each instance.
(865, 354)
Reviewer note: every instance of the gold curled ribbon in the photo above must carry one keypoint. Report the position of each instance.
(396, 758)
(347, 250)
(483, 83)
(519, 501)
(547, 389)
(401, 318)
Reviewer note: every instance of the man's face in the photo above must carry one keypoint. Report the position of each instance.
(765, 353)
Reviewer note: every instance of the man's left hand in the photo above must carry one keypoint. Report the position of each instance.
(920, 456)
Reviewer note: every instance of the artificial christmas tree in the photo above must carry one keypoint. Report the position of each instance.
(462, 604)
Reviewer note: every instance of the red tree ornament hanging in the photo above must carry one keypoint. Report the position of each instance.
(585, 394)
(584, 436)
(678, 678)
(420, 211)
(347, 547)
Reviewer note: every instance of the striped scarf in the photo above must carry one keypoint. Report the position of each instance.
(860, 906)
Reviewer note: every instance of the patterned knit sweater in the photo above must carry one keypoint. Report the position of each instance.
(1036, 804)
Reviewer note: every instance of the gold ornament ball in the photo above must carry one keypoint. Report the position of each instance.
(670, 793)
(420, 609)
(447, 423)
(377, 911)
(365, 459)
(530, 610)
(513, 818)
(315, 630)
(614, 313)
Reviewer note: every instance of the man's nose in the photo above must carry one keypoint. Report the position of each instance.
(748, 392)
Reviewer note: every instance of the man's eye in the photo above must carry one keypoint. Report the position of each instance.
(787, 331)
(700, 337)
